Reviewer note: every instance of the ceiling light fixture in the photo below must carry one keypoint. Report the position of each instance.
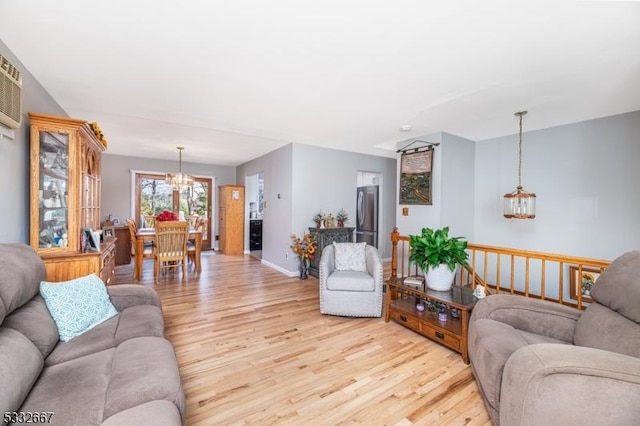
(520, 204)
(179, 181)
(406, 128)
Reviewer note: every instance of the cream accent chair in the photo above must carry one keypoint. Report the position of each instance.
(538, 362)
(349, 292)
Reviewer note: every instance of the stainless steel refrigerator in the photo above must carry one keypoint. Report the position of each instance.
(367, 215)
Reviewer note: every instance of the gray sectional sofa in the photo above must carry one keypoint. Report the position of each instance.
(541, 363)
(121, 372)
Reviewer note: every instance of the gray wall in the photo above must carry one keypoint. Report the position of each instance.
(452, 189)
(300, 180)
(326, 179)
(276, 167)
(14, 156)
(117, 189)
(585, 176)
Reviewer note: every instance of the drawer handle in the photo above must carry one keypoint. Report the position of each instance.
(439, 335)
(403, 318)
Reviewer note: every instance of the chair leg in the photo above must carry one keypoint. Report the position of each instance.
(156, 269)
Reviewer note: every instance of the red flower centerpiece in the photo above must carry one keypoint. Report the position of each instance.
(166, 216)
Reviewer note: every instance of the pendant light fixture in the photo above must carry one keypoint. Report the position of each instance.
(520, 204)
(179, 181)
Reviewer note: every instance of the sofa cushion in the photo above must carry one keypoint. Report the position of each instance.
(600, 327)
(144, 369)
(74, 391)
(34, 321)
(77, 305)
(618, 287)
(136, 321)
(350, 256)
(20, 365)
(87, 390)
(22, 270)
(350, 281)
(156, 413)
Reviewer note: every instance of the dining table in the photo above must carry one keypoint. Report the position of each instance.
(144, 235)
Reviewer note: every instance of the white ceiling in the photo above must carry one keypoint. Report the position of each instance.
(232, 80)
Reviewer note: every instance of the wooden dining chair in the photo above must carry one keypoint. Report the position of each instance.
(191, 245)
(171, 246)
(147, 249)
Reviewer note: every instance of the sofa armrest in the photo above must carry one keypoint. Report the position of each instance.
(561, 384)
(124, 296)
(327, 265)
(374, 266)
(531, 315)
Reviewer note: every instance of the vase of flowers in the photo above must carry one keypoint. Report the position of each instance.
(318, 219)
(342, 217)
(305, 249)
(166, 216)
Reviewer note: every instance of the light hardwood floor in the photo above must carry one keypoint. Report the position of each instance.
(253, 348)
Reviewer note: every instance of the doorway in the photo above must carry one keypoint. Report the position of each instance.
(254, 199)
(153, 195)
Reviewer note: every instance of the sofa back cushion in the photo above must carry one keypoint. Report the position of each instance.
(34, 322)
(602, 328)
(618, 288)
(20, 366)
(21, 272)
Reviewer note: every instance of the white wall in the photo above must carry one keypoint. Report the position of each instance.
(586, 178)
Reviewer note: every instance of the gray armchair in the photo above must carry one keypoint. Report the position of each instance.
(540, 363)
(355, 293)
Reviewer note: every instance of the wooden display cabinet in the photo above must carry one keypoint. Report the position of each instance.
(65, 197)
(231, 216)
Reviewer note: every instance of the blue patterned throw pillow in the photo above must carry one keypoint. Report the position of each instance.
(77, 305)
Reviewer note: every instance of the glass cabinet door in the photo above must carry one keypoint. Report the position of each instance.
(53, 196)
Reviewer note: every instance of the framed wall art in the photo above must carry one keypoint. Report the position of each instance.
(582, 284)
(415, 177)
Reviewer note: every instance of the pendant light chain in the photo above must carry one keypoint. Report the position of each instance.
(520, 151)
(519, 204)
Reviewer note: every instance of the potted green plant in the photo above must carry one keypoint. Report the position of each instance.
(438, 255)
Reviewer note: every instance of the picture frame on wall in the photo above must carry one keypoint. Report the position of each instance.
(582, 284)
(415, 177)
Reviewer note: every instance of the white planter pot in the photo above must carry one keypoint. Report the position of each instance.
(440, 278)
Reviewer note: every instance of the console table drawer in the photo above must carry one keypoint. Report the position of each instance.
(440, 336)
(405, 319)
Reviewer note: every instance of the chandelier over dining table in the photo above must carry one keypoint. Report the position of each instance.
(179, 181)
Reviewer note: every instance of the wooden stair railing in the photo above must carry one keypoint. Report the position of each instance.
(528, 273)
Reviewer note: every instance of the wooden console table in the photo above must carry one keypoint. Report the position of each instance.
(400, 306)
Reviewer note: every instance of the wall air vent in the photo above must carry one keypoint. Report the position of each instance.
(10, 94)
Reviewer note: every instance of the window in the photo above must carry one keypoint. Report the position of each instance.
(154, 195)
